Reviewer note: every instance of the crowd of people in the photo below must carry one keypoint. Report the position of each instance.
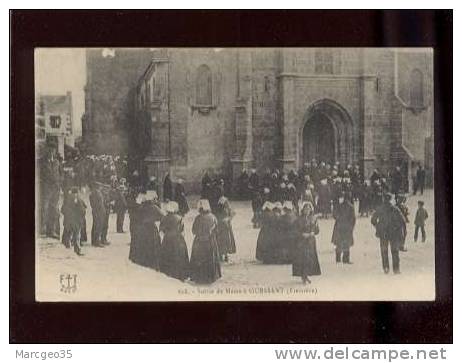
(157, 238)
(70, 178)
(286, 208)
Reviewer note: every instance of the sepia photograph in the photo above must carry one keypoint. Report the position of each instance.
(234, 174)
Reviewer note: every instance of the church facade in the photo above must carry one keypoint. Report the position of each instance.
(185, 110)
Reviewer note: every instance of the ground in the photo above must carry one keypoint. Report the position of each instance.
(106, 273)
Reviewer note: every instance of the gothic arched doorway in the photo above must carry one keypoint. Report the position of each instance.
(319, 140)
(326, 134)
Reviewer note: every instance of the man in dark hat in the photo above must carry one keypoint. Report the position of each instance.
(120, 207)
(419, 180)
(342, 236)
(421, 216)
(50, 186)
(75, 212)
(389, 225)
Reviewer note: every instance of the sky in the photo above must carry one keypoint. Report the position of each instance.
(58, 70)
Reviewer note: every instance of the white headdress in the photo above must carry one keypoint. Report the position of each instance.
(304, 204)
(288, 205)
(277, 205)
(204, 205)
(141, 198)
(151, 195)
(171, 207)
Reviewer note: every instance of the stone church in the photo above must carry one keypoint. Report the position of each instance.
(185, 110)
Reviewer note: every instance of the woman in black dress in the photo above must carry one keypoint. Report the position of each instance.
(264, 236)
(180, 198)
(205, 260)
(145, 244)
(306, 262)
(288, 234)
(174, 260)
(277, 237)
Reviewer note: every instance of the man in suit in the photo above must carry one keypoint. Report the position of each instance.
(389, 224)
(420, 180)
(342, 235)
(98, 210)
(75, 212)
(50, 189)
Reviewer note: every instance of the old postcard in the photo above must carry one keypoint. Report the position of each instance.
(234, 174)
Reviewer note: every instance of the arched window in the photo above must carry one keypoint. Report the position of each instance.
(324, 61)
(204, 86)
(416, 88)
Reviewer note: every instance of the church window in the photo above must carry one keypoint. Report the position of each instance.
(204, 86)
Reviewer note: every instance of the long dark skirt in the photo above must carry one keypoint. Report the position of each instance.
(183, 206)
(145, 247)
(324, 206)
(279, 247)
(83, 231)
(306, 262)
(205, 261)
(263, 244)
(174, 256)
(225, 238)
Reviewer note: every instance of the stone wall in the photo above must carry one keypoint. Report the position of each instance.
(417, 122)
(201, 136)
(273, 89)
(265, 108)
(110, 97)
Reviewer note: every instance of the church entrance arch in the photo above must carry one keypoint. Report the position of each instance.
(326, 134)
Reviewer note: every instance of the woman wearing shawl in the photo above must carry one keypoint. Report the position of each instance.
(277, 238)
(225, 234)
(263, 240)
(180, 198)
(205, 258)
(306, 261)
(286, 250)
(145, 248)
(174, 260)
